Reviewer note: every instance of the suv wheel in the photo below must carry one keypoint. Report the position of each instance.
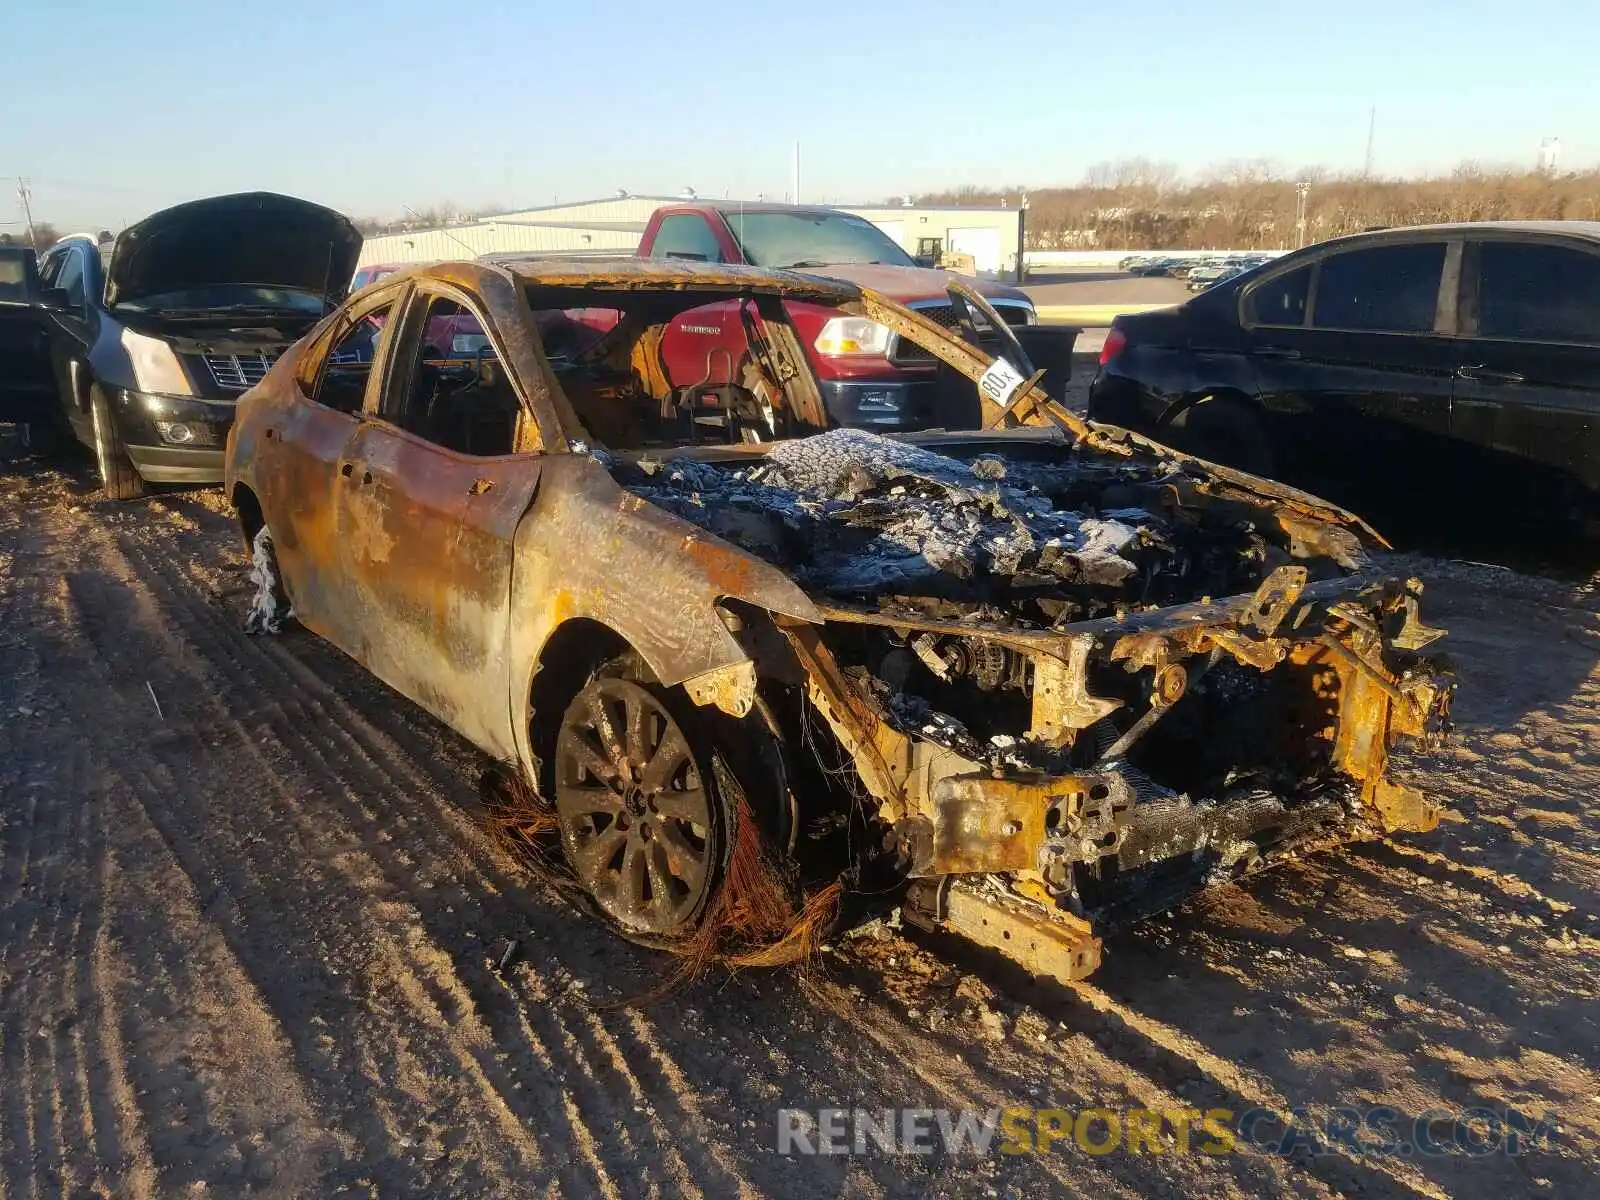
(118, 479)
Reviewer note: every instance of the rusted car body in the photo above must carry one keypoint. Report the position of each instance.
(1052, 675)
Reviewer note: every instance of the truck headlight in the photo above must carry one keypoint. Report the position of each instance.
(844, 337)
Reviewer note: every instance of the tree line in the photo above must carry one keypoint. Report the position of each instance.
(1138, 204)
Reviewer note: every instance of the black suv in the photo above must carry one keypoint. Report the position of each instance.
(140, 348)
(1423, 375)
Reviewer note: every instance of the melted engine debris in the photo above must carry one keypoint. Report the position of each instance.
(854, 514)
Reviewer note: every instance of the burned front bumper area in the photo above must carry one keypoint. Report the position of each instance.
(1153, 755)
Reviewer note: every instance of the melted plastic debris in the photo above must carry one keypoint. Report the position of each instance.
(853, 512)
(269, 607)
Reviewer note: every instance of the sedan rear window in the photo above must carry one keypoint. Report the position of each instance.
(1280, 301)
(1530, 292)
(1387, 289)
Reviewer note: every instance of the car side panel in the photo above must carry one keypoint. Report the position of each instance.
(293, 448)
(1531, 405)
(589, 549)
(425, 536)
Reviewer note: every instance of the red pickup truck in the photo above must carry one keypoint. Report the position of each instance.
(868, 376)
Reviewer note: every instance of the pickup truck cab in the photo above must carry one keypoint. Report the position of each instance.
(869, 376)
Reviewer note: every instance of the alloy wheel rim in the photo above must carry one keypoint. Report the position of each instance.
(634, 810)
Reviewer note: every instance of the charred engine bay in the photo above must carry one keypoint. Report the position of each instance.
(1032, 538)
(1026, 533)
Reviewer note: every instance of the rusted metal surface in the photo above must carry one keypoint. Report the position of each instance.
(1062, 704)
(453, 575)
(1044, 941)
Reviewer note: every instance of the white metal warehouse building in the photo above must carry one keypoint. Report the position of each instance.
(993, 236)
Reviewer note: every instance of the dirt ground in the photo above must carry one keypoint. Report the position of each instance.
(250, 928)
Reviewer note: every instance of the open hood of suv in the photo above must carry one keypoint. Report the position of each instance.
(257, 239)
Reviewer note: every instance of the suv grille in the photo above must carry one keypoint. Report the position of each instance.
(239, 372)
(903, 351)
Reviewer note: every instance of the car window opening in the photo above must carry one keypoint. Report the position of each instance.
(342, 383)
(456, 393)
(608, 352)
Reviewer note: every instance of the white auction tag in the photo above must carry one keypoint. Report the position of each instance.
(999, 381)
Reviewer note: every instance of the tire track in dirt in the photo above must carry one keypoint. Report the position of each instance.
(310, 743)
(39, 896)
(51, 896)
(175, 800)
(366, 803)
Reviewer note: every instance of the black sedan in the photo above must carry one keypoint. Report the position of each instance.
(1428, 376)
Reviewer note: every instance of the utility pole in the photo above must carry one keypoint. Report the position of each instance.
(1304, 189)
(27, 210)
(1372, 128)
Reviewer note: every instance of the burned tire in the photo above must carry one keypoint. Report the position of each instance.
(118, 479)
(1226, 431)
(644, 824)
(270, 607)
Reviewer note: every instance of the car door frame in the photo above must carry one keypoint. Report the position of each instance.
(27, 388)
(1368, 416)
(297, 478)
(1528, 370)
(72, 332)
(441, 525)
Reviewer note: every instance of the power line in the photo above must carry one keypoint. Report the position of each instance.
(22, 193)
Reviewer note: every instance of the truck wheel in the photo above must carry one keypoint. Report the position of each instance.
(1225, 431)
(118, 479)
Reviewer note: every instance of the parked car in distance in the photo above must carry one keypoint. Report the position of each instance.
(373, 272)
(151, 339)
(27, 383)
(1430, 373)
(924, 664)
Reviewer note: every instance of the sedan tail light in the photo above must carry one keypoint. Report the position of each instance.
(1116, 341)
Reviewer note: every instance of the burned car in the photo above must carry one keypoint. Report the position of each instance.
(1033, 681)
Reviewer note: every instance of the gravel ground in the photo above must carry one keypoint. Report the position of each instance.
(250, 931)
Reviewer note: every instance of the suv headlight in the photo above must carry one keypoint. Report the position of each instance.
(844, 337)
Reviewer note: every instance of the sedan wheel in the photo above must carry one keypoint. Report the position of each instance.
(638, 819)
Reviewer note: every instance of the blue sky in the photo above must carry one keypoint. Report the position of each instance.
(114, 109)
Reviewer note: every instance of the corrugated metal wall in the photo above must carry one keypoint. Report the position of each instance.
(469, 241)
(590, 212)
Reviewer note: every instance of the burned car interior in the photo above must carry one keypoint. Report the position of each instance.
(1051, 677)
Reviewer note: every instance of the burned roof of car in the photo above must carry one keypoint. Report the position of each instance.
(667, 275)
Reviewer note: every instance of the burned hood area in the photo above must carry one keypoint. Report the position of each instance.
(1098, 682)
(1013, 530)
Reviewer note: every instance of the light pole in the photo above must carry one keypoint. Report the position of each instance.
(1304, 189)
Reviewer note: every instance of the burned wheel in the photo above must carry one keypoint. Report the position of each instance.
(640, 822)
